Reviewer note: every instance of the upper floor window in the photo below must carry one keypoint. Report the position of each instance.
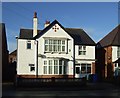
(118, 52)
(28, 44)
(54, 45)
(81, 50)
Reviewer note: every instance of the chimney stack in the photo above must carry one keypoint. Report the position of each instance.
(35, 23)
(47, 23)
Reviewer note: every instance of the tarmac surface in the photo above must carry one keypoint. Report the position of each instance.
(97, 90)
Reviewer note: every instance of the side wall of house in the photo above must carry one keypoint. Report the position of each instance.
(25, 57)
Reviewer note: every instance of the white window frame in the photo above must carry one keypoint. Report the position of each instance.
(55, 43)
(32, 66)
(118, 52)
(82, 50)
(86, 67)
(63, 64)
(28, 42)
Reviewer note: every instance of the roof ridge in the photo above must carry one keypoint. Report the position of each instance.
(114, 36)
(73, 28)
(27, 29)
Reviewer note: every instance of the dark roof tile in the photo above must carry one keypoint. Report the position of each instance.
(26, 33)
(79, 35)
(111, 39)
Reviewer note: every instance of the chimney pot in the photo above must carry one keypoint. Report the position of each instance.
(47, 23)
(35, 14)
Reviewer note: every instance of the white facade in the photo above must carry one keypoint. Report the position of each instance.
(59, 35)
(25, 57)
(54, 53)
(86, 60)
(114, 58)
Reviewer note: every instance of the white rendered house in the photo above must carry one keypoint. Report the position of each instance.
(54, 51)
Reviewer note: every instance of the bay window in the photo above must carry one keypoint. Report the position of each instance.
(54, 67)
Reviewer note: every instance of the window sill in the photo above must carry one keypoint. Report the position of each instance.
(57, 52)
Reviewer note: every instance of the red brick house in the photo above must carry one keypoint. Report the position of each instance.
(13, 56)
(108, 54)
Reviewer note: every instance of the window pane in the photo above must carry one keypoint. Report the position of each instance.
(59, 42)
(118, 48)
(77, 70)
(50, 47)
(83, 68)
(59, 48)
(45, 62)
(80, 47)
(80, 53)
(88, 68)
(54, 41)
(32, 68)
(46, 41)
(55, 48)
(60, 62)
(50, 62)
(64, 70)
(55, 69)
(84, 52)
(46, 48)
(63, 48)
(118, 52)
(29, 45)
(45, 69)
(84, 47)
(60, 69)
(63, 42)
(50, 41)
(55, 62)
(50, 69)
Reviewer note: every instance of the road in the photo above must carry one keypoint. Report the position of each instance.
(91, 89)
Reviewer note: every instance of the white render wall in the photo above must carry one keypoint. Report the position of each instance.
(59, 34)
(114, 53)
(25, 57)
(90, 53)
(114, 56)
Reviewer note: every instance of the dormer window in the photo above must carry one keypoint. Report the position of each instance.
(28, 44)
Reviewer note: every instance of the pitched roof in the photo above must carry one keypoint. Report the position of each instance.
(111, 39)
(79, 35)
(26, 33)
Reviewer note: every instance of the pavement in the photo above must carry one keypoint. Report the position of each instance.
(91, 89)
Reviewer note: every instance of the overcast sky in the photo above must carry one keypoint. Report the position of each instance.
(96, 18)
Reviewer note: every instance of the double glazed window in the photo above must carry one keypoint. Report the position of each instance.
(54, 45)
(118, 52)
(81, 50)
(54, 67)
